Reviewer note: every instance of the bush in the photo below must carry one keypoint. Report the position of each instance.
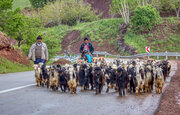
(68, 12)
(39, 3)
(144, 18)
(5, 4)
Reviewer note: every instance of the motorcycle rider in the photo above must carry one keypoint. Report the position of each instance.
(88, 47)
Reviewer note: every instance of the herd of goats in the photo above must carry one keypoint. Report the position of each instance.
(137, 76)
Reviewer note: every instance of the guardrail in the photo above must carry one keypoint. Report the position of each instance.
(155, 54)
(98, 53)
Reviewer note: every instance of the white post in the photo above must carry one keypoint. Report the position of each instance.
(158, 57)
(176, 56)
(166, 56)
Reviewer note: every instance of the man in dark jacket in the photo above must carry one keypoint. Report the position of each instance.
(86, 46)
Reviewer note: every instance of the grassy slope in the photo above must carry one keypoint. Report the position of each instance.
(21, 4)
(108, 29)
(170, 42)
(100, 30)
(7, 66)
(97, 30)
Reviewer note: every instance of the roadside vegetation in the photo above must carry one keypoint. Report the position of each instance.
(7, 66)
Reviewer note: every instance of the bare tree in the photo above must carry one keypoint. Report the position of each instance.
(176, 6)
(177, 11)
(142, 2)
(124, 10)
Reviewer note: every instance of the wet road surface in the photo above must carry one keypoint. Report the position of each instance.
(34, 100)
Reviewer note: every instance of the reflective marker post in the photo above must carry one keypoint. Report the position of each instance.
(147, 51)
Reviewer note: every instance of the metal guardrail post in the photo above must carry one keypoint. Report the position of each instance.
(158, 57)
(176, 56)
(166, 55)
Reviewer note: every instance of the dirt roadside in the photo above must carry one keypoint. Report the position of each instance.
(170, 101)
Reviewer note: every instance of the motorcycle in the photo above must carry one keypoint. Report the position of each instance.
(86, 57)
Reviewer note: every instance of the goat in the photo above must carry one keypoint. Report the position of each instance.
(148, 79)
(140, 82)
(72, 81)
(98, 78)
(54, 80)
(159, 80)
(121, 77)
(37, 74)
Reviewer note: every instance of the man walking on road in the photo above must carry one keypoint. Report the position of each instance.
(38, 52)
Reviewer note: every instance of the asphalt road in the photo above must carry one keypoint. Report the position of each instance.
(19, 96)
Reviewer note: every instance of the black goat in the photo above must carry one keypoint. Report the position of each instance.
(63, 80)
(121, 77)
(132, 79)
(111, 81)
(98, 79)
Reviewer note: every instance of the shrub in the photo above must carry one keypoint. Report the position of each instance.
(68, 12)
(39, 3)
(144, 18)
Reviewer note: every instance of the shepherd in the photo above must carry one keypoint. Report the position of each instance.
(38, 52)
(87, 50)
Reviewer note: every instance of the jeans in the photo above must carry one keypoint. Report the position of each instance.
(39, 60)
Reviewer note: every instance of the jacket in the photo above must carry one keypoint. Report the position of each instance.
(44, 54)
(91, 48)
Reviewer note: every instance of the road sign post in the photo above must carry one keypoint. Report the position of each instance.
(148, 51)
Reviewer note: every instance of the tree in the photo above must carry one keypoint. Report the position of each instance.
(142, 2)
(18, 26)
(4, 6)
(171, 5)
(124, 8)
(176, 6)
(156, 4)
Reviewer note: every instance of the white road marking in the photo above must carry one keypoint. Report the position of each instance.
(16, 88)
